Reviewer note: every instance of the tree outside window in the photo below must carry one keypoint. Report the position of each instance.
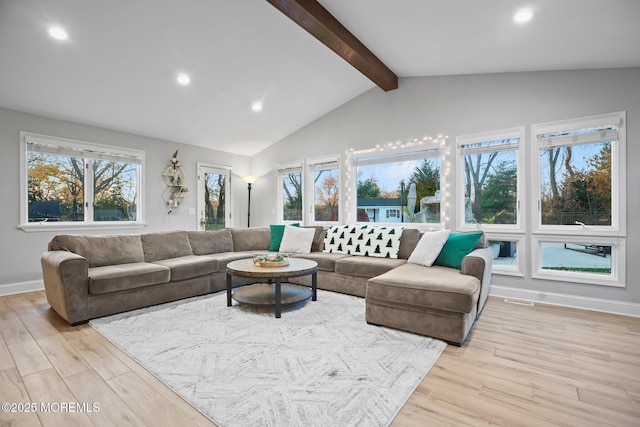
(405, 191)
(56, 188)
(214, 200)
(292, 196)
(491, 182)
(326, 194)
(575, 184)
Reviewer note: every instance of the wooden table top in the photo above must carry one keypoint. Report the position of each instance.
(296, 267)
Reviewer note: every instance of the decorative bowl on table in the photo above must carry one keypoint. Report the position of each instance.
(271, 260)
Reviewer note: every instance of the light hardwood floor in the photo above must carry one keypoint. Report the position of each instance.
(529, 366)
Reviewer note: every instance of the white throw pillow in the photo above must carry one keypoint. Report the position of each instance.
(429, 247)
(297, 240)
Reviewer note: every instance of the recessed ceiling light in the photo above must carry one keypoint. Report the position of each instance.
(58, 33)
(256, 106)
(183, 79)
(523, 15)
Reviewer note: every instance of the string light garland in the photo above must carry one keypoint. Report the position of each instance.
(400, 146)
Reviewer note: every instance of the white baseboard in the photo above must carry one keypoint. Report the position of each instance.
(564, 300)
(21, 287)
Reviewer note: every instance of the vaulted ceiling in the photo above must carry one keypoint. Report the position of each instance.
(118, 67)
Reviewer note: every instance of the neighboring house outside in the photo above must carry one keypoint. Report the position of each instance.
(382, 210)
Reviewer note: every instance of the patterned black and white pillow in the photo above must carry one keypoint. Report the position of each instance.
(364, 240)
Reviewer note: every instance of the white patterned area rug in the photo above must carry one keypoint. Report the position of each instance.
(320, 364)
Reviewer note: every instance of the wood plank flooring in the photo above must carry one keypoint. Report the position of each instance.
(522, 366)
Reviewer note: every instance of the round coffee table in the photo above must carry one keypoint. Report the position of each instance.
(275, 292)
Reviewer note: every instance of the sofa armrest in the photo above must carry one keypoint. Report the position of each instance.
(479, 264)
(66, 284)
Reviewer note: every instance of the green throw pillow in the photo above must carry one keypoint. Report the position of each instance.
(457, 247)
(277, 230)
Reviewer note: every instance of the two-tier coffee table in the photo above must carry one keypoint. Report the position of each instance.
(274, 292)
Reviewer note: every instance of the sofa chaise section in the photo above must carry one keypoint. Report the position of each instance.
(436, 301)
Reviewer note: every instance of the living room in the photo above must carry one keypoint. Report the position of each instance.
(440, 110)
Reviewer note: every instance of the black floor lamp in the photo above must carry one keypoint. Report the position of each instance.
(249, 179)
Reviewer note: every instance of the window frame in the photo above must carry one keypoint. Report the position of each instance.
(618, 225)
(400, 152)
(281, 169)
(510, 133)
(618, 261)
(87, 150)
(311, 167)
(519, 269)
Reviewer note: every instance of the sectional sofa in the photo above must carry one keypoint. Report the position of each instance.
(89, 276)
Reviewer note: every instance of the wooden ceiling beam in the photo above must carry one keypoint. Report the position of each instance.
(320, 23)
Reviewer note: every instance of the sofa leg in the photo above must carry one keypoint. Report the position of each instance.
(82, 322)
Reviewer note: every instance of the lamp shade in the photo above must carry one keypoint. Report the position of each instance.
(249, 179)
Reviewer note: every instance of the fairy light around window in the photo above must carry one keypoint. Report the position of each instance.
(389, 147)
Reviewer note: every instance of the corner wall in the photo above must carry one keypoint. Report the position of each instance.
(20, 260)
(458, 105)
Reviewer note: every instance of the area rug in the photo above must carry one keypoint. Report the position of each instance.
(320, 364)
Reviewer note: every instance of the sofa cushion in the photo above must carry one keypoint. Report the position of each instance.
(210, 241)
(408, 242)
(101, 250)
(434, 287)
(367, 240)
(251, 239)
(164, 245)
(121, 277)
(325, 260)
(189, 266)
(318, 238)
(458, 246)
(366, 266)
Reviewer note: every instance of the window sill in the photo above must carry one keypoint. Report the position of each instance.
(51, 226)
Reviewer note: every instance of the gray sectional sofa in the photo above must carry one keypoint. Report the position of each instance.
(89, 276)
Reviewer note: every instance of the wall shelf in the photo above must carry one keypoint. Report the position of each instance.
(175, 193)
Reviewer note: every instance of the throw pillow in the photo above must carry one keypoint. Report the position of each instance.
(457, 247)
(297, 240)
(276, 235)
(383, 242)
(338, 237)
(429, 247)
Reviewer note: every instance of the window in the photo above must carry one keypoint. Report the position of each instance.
(580, 186)
(393, 213)
(400, 187)
(213, 197)
(489, 179)
(72, 183)
(324, 180)
(507, 251)
(593, 260)
(581, 173)
(290, 192)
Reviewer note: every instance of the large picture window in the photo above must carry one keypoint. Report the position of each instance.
(401, 187)
(73, 183)
(489, 179)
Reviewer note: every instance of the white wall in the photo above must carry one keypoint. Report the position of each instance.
(20, 259)
(457, 105)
